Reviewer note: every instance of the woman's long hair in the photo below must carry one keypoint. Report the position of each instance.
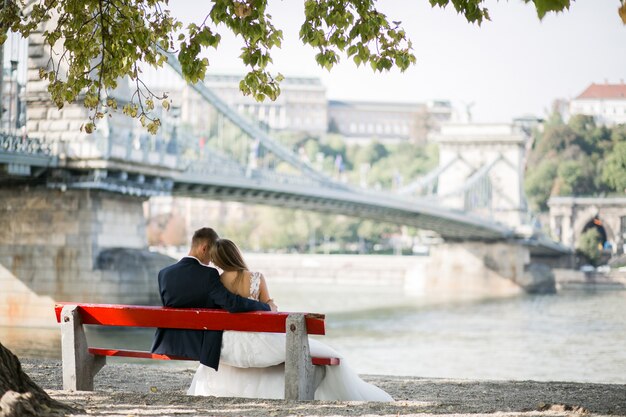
(226, 255)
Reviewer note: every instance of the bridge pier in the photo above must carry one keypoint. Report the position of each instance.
(475, 270)
(74, 245)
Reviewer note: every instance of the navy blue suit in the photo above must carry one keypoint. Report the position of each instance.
(189, 284)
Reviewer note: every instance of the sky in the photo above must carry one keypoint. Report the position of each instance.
(512, 66)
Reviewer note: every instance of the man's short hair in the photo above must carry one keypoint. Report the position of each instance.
(206, 234)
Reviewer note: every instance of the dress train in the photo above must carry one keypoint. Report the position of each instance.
(252, 366)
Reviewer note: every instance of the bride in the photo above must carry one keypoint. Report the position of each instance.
(252, 364)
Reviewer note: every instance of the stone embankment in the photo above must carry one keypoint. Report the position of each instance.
(142, 390)
(569, 279)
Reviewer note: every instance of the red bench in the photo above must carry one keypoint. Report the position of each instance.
(81, 362)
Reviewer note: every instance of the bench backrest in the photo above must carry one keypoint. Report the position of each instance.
(188, 318)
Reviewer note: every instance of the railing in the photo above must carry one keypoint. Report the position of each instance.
(25, 145)
(213, 162)
(155, 151)
(145, 149)
(128, 149)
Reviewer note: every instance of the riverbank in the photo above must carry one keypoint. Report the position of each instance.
(142, 390)
(569, 279)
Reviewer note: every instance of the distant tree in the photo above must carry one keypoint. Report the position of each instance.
(368, 154)
(405, 160)
(555, 138)
(154, 229)
(175, 231)
(569, 173)
(590, 137)
(577, 158)
(373, 231)
(618, 134)
(242, 230)
(614, 169)
(106, 40)
(311, 149)
(588, 245)
(333, 146)
(539, 183)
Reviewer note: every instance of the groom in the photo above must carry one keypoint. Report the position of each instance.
(191, 283)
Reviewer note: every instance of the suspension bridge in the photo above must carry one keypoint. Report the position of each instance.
(73, 226)
(171, 163)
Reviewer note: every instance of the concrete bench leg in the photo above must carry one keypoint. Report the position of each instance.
(79, 366)
(299, 371)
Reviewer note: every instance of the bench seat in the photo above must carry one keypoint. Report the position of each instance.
(82, 362)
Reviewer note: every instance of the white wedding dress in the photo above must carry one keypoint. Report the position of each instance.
(252, 366)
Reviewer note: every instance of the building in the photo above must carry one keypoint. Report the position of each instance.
(386, 122)
(13, 106)
(300, 107)
(605, 102)
(570, 217)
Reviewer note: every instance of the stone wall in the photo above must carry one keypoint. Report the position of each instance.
(75, 245)
(570, 215)
(477, 270)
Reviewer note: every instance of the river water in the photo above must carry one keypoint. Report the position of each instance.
(571, 336)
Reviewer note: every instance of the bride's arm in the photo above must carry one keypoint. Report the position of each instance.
(264, 294)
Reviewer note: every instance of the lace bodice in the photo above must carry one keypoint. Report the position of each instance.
(255, 285)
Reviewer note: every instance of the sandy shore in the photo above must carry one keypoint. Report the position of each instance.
(151, 390)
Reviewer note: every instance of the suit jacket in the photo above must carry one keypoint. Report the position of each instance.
(190, 284)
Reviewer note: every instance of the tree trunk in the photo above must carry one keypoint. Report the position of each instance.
(20, 396)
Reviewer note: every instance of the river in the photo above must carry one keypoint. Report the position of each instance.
(571, 336)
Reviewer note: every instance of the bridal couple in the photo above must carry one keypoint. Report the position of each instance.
(239, 364)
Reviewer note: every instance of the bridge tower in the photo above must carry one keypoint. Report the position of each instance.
(76, 231)
(481, 173)
(482, 170)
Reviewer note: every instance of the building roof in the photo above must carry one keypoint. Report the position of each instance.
(609, 91)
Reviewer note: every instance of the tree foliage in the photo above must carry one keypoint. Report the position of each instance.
(577, 158)
(614, 170)
(94, 43)
(539, 183)
(589, 245)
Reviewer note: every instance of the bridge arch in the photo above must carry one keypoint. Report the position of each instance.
(571, 216)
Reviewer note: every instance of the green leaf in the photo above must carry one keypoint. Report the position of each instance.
(545, 6)
(132, 30)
